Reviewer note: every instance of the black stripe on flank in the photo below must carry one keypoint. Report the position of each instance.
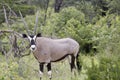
(61, 58)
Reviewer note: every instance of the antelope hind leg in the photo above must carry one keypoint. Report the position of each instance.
(49, 70)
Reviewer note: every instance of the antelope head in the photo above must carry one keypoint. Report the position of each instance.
(31, 38)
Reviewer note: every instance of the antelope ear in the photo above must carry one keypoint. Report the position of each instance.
(39, 35)
(24, 35)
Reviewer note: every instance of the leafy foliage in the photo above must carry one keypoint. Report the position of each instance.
(109, 68)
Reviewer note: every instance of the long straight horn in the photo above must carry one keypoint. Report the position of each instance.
(36, 23)
(25, 24)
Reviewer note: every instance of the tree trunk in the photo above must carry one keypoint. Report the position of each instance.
(58, 4)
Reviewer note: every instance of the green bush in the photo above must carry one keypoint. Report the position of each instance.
(109, 69)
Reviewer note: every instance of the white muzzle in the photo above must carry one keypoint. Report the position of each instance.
(33, 47)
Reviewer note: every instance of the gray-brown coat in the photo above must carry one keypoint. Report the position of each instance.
(50, 50)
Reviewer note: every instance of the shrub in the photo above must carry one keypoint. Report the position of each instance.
(109, 69)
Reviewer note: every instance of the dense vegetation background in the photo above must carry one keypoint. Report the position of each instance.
(95, 24)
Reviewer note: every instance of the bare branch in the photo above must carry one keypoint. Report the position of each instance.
(6, 20)
(13, 38)
(25, 24)
(23, 55)
(11, 11)
(10, 31)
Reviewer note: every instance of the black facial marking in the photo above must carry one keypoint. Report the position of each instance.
(32, 42)
(31, 36)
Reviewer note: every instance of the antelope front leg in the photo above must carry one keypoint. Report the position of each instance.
(49, 70)
(41, 66)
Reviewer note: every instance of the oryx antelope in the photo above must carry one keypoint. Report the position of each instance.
(47, 50)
